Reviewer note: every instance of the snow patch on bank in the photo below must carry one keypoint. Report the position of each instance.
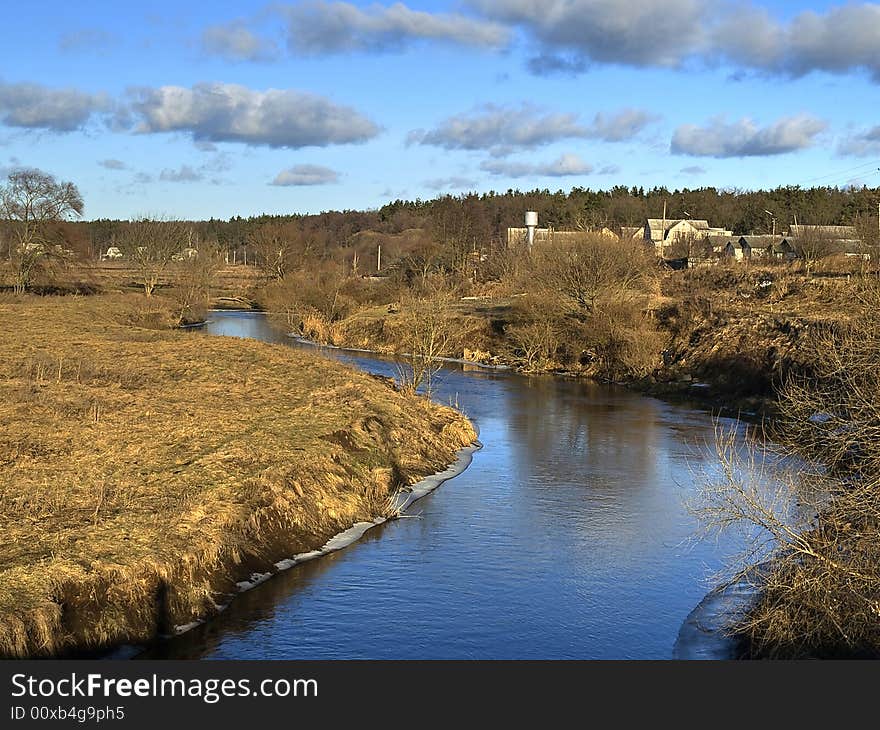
(705, 632)
(356, 531)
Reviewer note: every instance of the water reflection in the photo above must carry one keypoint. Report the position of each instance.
(566, 538)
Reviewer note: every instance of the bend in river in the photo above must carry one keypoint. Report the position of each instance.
(566, 538)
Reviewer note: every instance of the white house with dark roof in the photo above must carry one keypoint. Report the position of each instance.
(665, 232)
(746, 248)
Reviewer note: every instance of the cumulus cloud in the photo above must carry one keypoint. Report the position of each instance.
(450, 183)
(34, 106)
(693, 170)
(564, 166)
(235, 42)
(744, 138)
(216, 112)
(861, 144)
(608, 170)
(503, 130)
(570, 34)
(320, 27)
(840, 40)
(112, 164)
(306, 175)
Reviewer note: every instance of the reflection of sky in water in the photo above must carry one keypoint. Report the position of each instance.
(566, 538)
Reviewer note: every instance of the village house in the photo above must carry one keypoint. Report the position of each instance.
(517, 236)
(666, 232)
(833, 239)
(746, 248)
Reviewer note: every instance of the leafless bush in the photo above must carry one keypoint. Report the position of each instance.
(152, 244)
(814, 524)
(592, 267)
(426, 332)
(194, 281)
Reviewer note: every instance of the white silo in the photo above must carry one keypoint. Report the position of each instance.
(531, 225)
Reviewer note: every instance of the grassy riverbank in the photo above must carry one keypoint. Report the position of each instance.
(144, 471)
(727, 336)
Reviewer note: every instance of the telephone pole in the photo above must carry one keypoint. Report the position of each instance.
(663, 231)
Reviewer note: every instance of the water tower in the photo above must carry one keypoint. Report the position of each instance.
(531, 225)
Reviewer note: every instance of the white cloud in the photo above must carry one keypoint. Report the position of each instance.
(505, 129)
(840, 40)
(861, 144)
(216, 112)
(182, 174)
(744, 138)
(568, 36)
(306, 175)
(450, 183)
(571, 34)
(564, 166)
(35, 106)
(235, 42)
(320, 27)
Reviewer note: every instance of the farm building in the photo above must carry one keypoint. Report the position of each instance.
(665, 232)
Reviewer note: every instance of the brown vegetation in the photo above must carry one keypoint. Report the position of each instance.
(813, 512)
(144, 471)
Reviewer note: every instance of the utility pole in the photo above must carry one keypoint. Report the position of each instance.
(379, 258)
(663, 231)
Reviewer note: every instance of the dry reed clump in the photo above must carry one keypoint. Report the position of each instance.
(144, 472)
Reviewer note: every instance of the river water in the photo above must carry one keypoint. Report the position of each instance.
(566, 538)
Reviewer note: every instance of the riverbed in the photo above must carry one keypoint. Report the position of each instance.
(566, 538)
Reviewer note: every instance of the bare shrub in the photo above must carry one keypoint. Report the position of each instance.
(194, 281)
(591, 267)
(312, 302)
(815, 525)
(151, 245)
(585, 307)
(425, 333)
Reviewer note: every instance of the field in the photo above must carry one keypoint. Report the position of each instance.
(144, 471)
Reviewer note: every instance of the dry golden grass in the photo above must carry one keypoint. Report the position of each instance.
(143, 472)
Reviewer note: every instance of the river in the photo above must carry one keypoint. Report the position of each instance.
(566, 538)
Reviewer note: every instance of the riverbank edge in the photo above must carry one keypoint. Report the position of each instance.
(36, 627)
(706, 633)
(681, 388)
(340, 541)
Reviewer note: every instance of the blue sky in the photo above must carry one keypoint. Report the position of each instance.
(219, 109)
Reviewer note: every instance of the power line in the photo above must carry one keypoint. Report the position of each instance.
(843, 173)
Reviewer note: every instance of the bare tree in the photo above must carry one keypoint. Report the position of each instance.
(427, 334)
(590, 267)
(195, 276)
(151, 245)
(811, 245)
(279, 248)
(33, 202)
